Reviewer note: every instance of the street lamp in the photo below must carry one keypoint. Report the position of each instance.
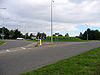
(3, 28)
(25, 31)
(87, 32)
(51, 23)
(3, 24)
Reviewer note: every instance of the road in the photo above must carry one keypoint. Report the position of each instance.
(14, 44)
(17, 62)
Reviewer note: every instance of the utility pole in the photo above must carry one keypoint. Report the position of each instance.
(51, 23)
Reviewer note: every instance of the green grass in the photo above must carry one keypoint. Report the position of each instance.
(87, 63)
(62, 39)
(1, 42)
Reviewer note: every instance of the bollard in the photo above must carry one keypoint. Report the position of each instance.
(40, 42)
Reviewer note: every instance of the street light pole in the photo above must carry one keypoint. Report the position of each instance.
(3, 24)
(3, 29)
(25, 31)
(51, 23)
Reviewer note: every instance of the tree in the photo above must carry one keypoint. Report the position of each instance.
(44, 35)
(11, 34)
(67, 35)
(92, 34)
(17, 34)
(60, 35)
(26, 36)
(80, 35)
(96, 35)
(31, 35)
(0, 33)
(54, 35)
(4, 31)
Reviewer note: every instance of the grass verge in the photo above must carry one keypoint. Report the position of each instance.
(1, 42)
(87, 63)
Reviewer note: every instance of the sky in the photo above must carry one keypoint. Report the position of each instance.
(32, 16)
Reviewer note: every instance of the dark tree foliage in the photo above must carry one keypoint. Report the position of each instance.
(4, 31)
(13, 34)
(54, 35)
(31, 35)
(92, 34)
(67, 35)
(60, 35)
(10, 34)
(81, 35)
(27, 36)
(17, 34)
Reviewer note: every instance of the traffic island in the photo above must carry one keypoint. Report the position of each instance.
(1, 42)
(55, 43)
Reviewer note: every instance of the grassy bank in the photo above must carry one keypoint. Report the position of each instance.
(1, 42)
(62, 39)
(87, 63)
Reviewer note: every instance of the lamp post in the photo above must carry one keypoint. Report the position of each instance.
(25, 31)
(51, 23)
(3, 29)
(3, 24)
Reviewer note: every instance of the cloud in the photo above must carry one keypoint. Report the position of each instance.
(1, 1)
(67, 14)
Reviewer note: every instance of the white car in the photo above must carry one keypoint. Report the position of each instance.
(33, 38)
(20, 38)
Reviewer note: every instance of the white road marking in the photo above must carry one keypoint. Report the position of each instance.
(23, 48)
(8, 50)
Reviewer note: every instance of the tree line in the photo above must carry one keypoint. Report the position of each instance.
(14, 34)
(10, 34)
(92, 35)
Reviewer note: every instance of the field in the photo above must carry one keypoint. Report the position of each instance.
(1, 42)
(62, 39)
(87, 63)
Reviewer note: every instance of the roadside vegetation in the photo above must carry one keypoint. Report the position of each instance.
(92, 34)
(58, 37)
(61, 39)
(87, 63)
(1, 42)
(64, 39)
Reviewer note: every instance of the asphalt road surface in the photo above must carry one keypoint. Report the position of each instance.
(14, 44)
(17, 62)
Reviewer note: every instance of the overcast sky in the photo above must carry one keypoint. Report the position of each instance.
(69, 16)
